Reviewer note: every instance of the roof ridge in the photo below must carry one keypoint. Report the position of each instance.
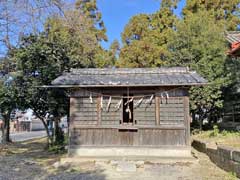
(106, 71)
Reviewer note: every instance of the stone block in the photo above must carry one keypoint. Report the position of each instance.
(214, 158)
(235, 167)
(139, 164)
(225, 152)
(125, 166)
(113, 162)
(236, 155)
(211, 151)
(100, 163)
(199, 145)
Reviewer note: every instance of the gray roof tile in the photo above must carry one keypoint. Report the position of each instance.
(129, 77)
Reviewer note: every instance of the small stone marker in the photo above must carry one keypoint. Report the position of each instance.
(114, 162)
(139, 164)
(125, 166)
(56, 165)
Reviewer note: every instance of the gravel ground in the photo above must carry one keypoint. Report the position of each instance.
(29, 160)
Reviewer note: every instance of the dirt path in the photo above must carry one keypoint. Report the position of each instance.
(30, 161)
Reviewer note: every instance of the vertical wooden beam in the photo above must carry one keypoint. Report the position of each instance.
(157, 110)
(72, 110)
(187, 120)
(71, 121)
(99, 111)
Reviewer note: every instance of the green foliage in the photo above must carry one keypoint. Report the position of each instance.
(76, 38)
(199, 44)
(232, 175)
(90, 10)
(59, 136)
(80, 32)
(224, 133)
(9, 95)
(140, 54)
(215, 131)
(220, 9)
(145, 38)
(39, 61)
(59, 148)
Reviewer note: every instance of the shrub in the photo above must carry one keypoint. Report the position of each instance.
(215, 131)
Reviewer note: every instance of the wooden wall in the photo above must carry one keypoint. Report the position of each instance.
(145, 114)
(127, 137)
(112, 115)
(164, 121)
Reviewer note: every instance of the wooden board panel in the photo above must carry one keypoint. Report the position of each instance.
(161, 137)
(146, 122)
(115, 137)
(83, 111)
(112, 115)
(85, 123)
(145, 113)
(172, 111)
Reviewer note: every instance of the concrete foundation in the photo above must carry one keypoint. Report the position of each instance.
(86, 152)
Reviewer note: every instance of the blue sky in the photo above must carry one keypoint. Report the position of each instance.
(117, 13)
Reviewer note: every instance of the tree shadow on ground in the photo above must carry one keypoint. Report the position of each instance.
(31, 160)
(91, 175)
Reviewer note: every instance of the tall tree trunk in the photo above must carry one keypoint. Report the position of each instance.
(58, 133)
(6, 129)
(56, 129)
(201, 118)
(49, 137)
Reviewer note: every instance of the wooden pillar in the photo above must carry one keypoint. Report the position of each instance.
(99, 110)
(72, 109)
(187, 121)
(157, 110)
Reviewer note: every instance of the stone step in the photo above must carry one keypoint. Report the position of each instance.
(112, 160)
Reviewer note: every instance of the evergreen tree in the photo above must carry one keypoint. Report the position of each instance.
(145, 38)
(9, 96)
(221, 10)
(199, 43)
(40, 61)
(90, 10)
(80, 31)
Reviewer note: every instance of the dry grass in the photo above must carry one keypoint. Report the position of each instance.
(227, 138)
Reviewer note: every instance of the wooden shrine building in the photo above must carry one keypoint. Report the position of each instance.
(129, 112)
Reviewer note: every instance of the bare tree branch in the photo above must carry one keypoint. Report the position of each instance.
(19, 17)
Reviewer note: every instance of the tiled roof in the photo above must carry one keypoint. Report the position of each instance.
(91, 77)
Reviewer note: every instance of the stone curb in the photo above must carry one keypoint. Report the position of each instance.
(225, 157)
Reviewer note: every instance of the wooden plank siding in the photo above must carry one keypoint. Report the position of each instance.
(112, 115)
(116, 137)
(164, 121)
(172, 110)
(84, 112)
(144, 114)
